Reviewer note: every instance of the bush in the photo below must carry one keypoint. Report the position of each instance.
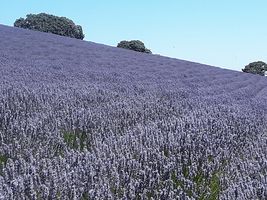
(135, 45)
(256, 68)
(50, 24)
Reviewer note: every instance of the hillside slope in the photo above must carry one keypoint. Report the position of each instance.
(80, 120)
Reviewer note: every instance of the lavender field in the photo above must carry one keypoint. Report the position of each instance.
(80, 120)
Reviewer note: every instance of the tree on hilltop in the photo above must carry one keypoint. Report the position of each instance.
(51, 24)
(135, 45)
(258, 67)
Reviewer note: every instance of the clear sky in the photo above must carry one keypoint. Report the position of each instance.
(223, 33)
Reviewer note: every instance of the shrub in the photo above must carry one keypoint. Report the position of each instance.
(50, 24)
(256, 68)
(135, 45)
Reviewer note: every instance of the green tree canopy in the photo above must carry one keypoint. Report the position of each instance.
(135, 45)
(258, 67)
(50, 24)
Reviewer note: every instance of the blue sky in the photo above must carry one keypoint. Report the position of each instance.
(223, 33)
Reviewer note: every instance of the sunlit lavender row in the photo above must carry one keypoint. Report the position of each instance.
(79, 120)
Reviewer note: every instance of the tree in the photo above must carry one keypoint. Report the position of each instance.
(135, 45)
(258, 67)
(50, 24)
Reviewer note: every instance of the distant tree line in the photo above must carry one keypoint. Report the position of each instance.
(63, 26)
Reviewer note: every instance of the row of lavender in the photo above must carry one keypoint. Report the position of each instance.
(113, 124)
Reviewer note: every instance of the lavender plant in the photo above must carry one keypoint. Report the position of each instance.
(80, 120)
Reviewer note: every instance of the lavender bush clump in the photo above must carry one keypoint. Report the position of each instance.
(82, 121)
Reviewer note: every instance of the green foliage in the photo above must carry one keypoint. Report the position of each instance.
(135, 45)
(203, 184)
(166, 152)
(85, 196)
(256, 68)
(180, 184)
(214, 187)
(199, 178)
(58, 195)
(77, 139)
(185, 171)
(50, 24)
(117, 192)
(177, 183)
(3, 161)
